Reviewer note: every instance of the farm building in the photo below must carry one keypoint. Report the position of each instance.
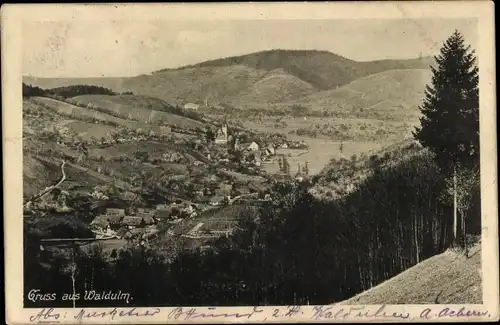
(165, 212)
(145, 211)
(253, 146)
(191, 106)
(115, 212)
(270, 150)
(103, 222)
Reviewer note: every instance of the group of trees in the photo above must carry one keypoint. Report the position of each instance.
(450, 124)
(284, 165)
(65, 92)
(78, 90)
(30, 91)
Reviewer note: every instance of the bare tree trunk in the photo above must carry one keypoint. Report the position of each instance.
(464, 232)
(73, 271)
(455, 219)
(417, 253)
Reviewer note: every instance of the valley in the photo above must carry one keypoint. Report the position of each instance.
(136, 139)
(211, 164)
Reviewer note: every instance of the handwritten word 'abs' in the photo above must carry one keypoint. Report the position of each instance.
(46, 315)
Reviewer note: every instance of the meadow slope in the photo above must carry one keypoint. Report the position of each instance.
(394, 93)
(137, 108)
(447, 278)
(116, 114)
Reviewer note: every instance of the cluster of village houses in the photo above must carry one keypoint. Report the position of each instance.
(116, 223)
(260, 154)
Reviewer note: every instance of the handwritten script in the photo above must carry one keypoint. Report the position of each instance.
(328, 313)
(49, 315)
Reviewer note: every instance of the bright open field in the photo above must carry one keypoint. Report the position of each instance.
(321, 150)
(320, 153)
(87, 130)
(353, 129)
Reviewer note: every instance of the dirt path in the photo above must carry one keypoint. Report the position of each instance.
(51, 188)
(106, 179)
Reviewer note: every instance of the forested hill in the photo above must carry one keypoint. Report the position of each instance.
(322, 69)
(289, 73)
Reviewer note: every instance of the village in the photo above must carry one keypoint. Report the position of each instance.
(229, 153)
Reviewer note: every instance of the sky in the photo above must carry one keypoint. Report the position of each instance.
(76, 48)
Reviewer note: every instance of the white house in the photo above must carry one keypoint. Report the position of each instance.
(270, 150)
(191, 106)
(253, 146)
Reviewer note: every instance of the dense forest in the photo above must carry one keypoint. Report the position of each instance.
(78, 90)
(298, 251)
(66, 92)
(31, 91)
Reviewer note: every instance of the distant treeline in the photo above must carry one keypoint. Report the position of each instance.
(31, 91)
(78, 90)
(68, 91)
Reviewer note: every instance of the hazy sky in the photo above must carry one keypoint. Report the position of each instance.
(128, 48)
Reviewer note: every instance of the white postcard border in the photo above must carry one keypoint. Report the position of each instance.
(12, 17)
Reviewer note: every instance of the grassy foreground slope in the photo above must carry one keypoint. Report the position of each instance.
(447, 278)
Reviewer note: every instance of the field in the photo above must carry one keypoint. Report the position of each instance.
(86, 114)
(321, 150)
(87, 130)
(320, 153)
(138, 108)
(395, 94)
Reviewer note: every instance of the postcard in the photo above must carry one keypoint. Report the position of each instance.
(250, 162)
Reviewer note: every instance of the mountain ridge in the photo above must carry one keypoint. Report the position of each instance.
(224, 78)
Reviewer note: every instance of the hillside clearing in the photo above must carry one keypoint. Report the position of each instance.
(447, 278)
(88, 115)
(138, 108)
(394, 93)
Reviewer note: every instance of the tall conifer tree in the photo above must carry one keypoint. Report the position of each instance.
(450, 112)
